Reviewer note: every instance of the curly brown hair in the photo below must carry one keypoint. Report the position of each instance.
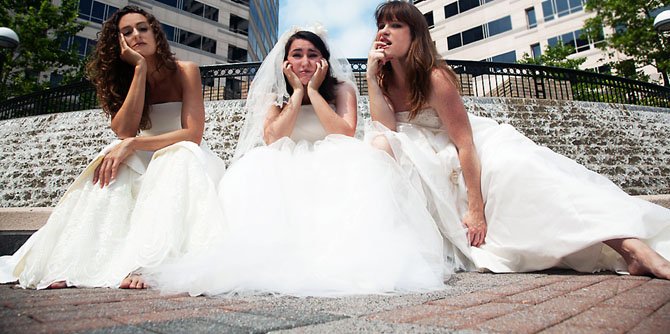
(422, 56)
(112, 76)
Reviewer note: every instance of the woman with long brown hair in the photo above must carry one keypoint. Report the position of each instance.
(147, 197)
(504, 203)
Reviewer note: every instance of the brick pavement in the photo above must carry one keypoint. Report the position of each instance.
(557, 301)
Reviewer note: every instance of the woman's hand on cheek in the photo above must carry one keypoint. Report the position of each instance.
(319, 75)
(129, 55)
(293, 79)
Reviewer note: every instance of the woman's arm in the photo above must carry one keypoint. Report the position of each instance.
(445, 99)
(192, 122)
(280, 122)
(126, 121)
(380, 110)
(342, 121)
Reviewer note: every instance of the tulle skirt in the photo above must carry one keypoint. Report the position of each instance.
(329, 218)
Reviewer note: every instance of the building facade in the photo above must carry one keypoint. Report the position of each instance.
(203, 31)
(505, 30)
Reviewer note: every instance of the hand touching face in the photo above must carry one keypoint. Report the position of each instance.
(136, 38)
(305, 60)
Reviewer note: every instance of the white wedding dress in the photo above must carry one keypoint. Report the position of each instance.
(315, 215)
(543, 209)
(162, 204)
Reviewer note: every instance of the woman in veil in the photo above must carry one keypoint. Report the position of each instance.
(310, 210)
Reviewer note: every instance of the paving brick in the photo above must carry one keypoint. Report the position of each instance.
(524, 321)
(189, 326)
(566, 306)
(569, 285)
(663, 312)
(412, 313)
(467, 300)
(138, 318)
(606, 289)
(629, 299)
(534, 296)
(593, 278)
(11, 318)
(562, 329)
(511, 289)
(106, 310)
(653, 324)
(609, 317)
(470, 317)
(68, 326)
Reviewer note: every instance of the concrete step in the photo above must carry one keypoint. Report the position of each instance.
(18, 224)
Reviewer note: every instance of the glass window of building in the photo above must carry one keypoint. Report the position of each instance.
(429, 19)
(530, 18)
(473, 35)
(239, 25)
(451, 10)
(94, 11)
(507, 57)
(535, 50)
(236, 55)
(552, 9)
(465, 5)
(454, 41)
(499, 26)
(171, 3)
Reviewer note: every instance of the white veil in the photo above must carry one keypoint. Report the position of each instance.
(268, 87)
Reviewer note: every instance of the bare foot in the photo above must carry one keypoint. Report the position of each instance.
(133, 281)
(57, 285)
(641, 260)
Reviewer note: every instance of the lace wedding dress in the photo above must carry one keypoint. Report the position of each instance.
(543, 210)
(161, 205)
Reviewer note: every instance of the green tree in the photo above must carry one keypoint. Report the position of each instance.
(556, 56)
(42, 28)
(634, 34)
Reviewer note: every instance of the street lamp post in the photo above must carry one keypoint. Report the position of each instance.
(8, 40)
(662, 26)
(662, 21)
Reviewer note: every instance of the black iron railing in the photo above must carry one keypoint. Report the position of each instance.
(232, 81)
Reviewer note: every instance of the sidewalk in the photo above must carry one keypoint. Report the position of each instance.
(556, 301)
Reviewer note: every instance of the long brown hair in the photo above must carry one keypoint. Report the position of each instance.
(422, 57)
(112, 76)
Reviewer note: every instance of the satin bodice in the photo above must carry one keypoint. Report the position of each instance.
(308, 126)
(165, 117)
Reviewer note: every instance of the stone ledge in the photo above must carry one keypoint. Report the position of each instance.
(31, 219)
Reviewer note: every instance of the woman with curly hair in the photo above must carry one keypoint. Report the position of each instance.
(147, 197)
(502, 202)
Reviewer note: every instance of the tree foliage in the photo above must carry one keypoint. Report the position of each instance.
(633, 24)
(42, 28)
(556, 56)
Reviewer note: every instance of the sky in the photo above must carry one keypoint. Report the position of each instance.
(350, 23)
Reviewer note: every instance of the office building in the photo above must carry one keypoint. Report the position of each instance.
(203, 31)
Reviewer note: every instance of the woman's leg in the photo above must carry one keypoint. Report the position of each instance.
(641, 259)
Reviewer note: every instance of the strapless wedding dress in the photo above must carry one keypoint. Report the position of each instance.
(161, 205)
(315, 215)
(543, 209)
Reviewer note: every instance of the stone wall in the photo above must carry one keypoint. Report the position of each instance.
(41, 155)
